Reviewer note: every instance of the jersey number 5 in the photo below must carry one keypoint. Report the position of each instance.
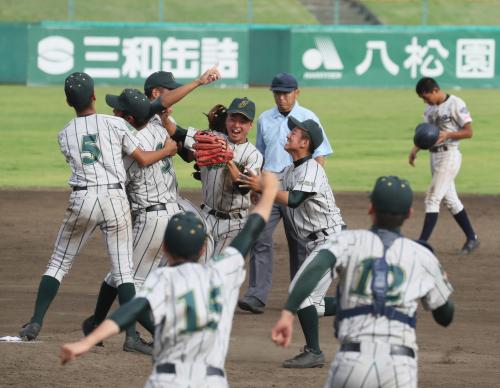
(90, 152)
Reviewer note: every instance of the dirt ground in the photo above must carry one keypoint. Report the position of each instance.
(463, 355)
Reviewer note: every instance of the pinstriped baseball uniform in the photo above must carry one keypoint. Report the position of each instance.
(193, 307)
(414, 274)
(314, 220)
(219, 194)
(147, 187)
(450, 116)
(93, 147)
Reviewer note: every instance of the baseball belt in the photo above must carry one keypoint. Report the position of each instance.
(110, 186)
(440, 148)
(219, 214)
(396, 350)
(168, 367)
(156, 208)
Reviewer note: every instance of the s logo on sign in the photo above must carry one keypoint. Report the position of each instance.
(55, 55)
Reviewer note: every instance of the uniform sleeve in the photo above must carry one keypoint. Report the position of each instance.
(156, 292)
(311, 179)
(231, 264)
(460, 113)
(325, 148)
(338, 244)
(129, 141)
(441, 290)
(254, 161)
(63, 146)
(189, 140)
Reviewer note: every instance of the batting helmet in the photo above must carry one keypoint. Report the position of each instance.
(426, 135)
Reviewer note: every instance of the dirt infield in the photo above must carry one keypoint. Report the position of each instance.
(463, 355)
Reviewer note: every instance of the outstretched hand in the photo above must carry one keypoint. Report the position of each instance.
(72, 350)
(210, 75)
(281, 333)
(251, 181)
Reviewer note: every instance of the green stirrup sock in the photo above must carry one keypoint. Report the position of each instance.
(47, 291)
(126, 292)
(309, 321)
(330, 305)
(107, 295)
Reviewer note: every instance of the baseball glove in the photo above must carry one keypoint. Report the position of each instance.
(217, 118)
(211, 149)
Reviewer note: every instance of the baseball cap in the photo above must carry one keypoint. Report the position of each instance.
(163, 79)
(78, 87)
(284, 82)
(131, 101)
(311, 127)
(243, 106)
(392, 194)
(185, 234)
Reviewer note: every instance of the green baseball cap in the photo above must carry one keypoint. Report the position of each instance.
(131, 101)
(78, 87)
(185, 235)
(392, 194)
(164, 79)
(242, 106)
(311, 127)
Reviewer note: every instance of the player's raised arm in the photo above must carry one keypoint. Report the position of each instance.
(146, 158)
(167, 100)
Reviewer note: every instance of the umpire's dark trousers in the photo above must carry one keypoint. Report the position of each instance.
(261, 255)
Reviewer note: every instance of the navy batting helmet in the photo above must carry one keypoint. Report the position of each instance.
(426, 135)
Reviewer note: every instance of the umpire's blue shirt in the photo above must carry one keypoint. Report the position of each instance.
(272, 130)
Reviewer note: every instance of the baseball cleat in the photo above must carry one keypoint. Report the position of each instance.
(30, 331)
(306, 359)
(469, 246)
(138, 345)
(88, 327)
(252, 304)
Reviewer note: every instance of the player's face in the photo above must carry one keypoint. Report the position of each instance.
(431, 98)
(285, 101)
(237, 128)
(295, 140)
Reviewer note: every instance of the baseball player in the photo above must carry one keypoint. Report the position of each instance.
(309, 202)
(272, 132)
(382, 276)
(93, 145)
(152, 192)
(192, 304)
(225, 204)
(450, 114)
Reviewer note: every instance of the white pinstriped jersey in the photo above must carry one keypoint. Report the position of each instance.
(451, 115)
(93, 147)
(154, 184)
(218, 190)
(318, 211)
(414, 274)
(193, 307)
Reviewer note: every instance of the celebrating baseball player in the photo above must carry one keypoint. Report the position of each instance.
(152, 192)
(450, 114)
(272, 132)
(93, 145)
(382, 276)
(225, 203)
(309, 202)
(192, 304)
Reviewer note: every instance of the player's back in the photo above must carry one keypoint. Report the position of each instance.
(193, 309)
(93, 146)
(414, 273)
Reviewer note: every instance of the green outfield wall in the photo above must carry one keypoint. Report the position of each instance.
(375, 56)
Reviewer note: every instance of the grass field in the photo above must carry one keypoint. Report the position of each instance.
(215, 11)
(440, 12)
(370, 130)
